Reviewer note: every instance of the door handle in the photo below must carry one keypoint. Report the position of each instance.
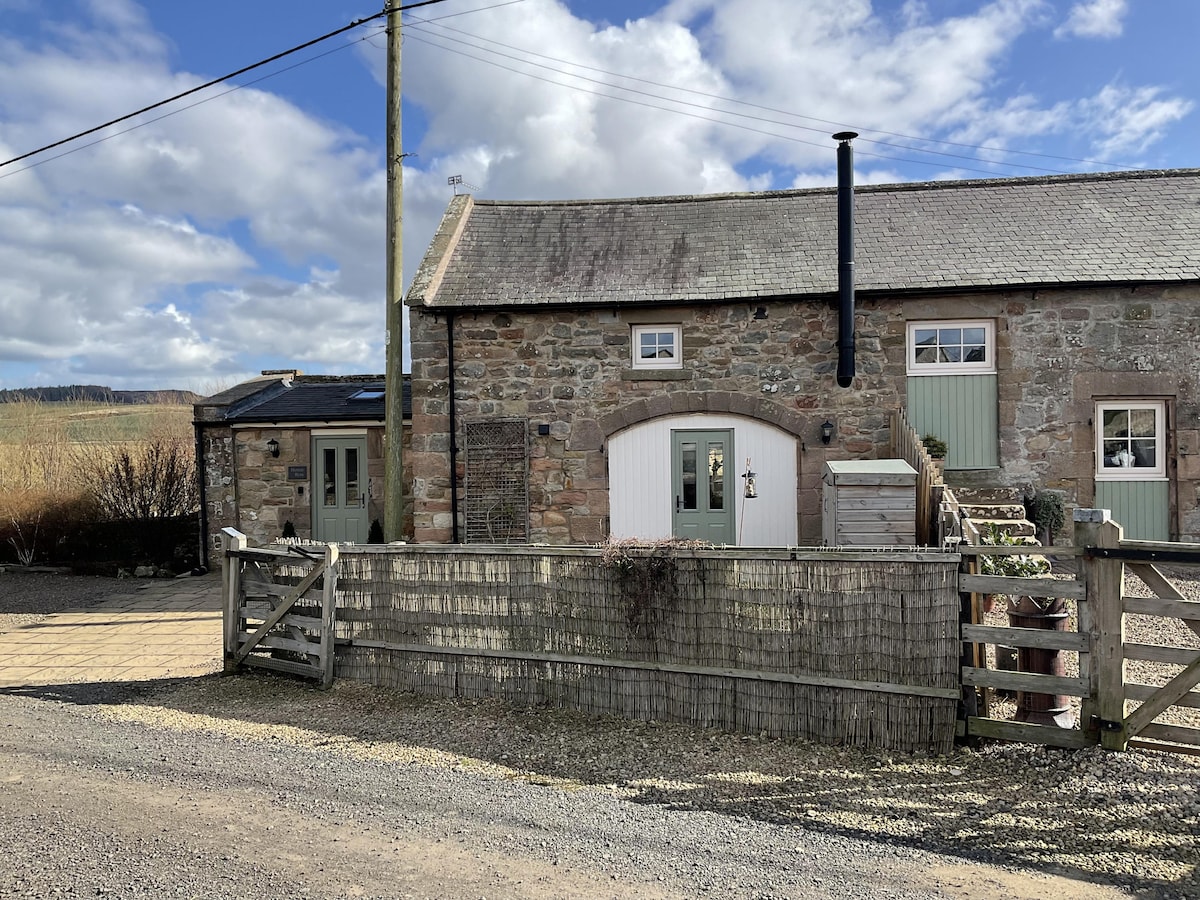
(678, 503)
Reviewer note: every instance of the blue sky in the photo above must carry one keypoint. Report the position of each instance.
(247, 232)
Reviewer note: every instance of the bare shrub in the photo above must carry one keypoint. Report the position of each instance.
(25, 544)
(150, 479)
(34, 525)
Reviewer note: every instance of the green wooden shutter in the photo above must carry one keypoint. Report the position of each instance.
(963, 411)
(1140, 507)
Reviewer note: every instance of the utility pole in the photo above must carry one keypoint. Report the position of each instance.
(393, 509)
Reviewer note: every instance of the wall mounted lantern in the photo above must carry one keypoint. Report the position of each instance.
(751, 490)
(826, 431)
(273, 447)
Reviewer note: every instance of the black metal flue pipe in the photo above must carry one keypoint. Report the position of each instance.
(845, 239)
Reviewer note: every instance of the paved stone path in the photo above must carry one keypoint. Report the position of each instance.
(161, 629)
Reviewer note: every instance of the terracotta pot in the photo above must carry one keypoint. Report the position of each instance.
(1049, 614)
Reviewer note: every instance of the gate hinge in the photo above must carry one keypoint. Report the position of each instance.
(1106, 724)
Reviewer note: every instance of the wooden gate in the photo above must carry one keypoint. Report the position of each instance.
(976, 674)
(279, 607)
(1106, 557)
(1102, 682)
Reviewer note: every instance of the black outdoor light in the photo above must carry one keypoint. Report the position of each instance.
(826, 432)
(273, 447)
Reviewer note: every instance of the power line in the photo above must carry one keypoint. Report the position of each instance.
(826, 122)
(728, 124)
(182, 109)
(216, 81)
(465, 12)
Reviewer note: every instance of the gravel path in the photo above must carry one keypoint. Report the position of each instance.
(256, 785)
(224, 787)
(29, 596)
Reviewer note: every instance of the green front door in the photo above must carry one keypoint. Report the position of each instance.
(340, 490)
(700, 486)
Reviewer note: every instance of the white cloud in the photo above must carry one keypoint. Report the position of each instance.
(246, 233)
(833, 61)
(104, 254)
(1127, 121)
(1094, 19)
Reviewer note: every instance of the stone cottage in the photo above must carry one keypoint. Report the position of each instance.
(292, 448)
(587, 369)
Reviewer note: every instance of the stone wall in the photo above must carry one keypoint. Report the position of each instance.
(1070, 349)
(220, 489)
(248, 489)
(1057, 353)
(571, 371)
(267, 500)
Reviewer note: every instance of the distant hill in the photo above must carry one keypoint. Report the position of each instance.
(94, 393)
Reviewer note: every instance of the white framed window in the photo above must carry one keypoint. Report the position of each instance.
(952, 348)
(657, 347)
(1130, 440)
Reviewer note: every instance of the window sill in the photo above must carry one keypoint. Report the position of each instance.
(656, 375)
(949, 369)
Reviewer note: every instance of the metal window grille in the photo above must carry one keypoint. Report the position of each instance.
(496, 486)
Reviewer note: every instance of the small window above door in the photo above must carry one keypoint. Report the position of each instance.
(951, 348)
(657, 347)
(1130, 440)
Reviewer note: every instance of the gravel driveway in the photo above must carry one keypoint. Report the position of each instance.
(28, 596)
(262, 786)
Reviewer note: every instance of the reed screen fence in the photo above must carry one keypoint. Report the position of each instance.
(858, 648)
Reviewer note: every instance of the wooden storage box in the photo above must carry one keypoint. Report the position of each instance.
(869, 503)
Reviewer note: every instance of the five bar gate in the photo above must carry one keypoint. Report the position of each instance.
(1102, 683)
(279, 607)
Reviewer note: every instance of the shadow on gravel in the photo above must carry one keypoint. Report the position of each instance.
(99, 693)
(48, 593)
(1123, 819)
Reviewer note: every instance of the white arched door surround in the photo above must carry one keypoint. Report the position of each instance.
(643, 496)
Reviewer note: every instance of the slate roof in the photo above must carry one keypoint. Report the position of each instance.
(239, 392)
(1106, 228)
(321, 401)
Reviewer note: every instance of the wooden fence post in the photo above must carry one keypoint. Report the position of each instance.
(328, 606)
(231, 589)
(1104, 581)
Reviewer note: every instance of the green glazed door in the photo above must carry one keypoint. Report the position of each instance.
(700, 480)
(340, 490)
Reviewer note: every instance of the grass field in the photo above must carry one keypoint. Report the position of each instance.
(23, 422)
(40, 442)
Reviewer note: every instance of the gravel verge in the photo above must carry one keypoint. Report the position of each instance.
(704, 811)
(1127, 819)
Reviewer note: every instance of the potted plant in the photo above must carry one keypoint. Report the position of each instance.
(1047, 613)
(936, 448)
(1048, 512)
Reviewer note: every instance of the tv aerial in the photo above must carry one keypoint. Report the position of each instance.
(455, 180)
